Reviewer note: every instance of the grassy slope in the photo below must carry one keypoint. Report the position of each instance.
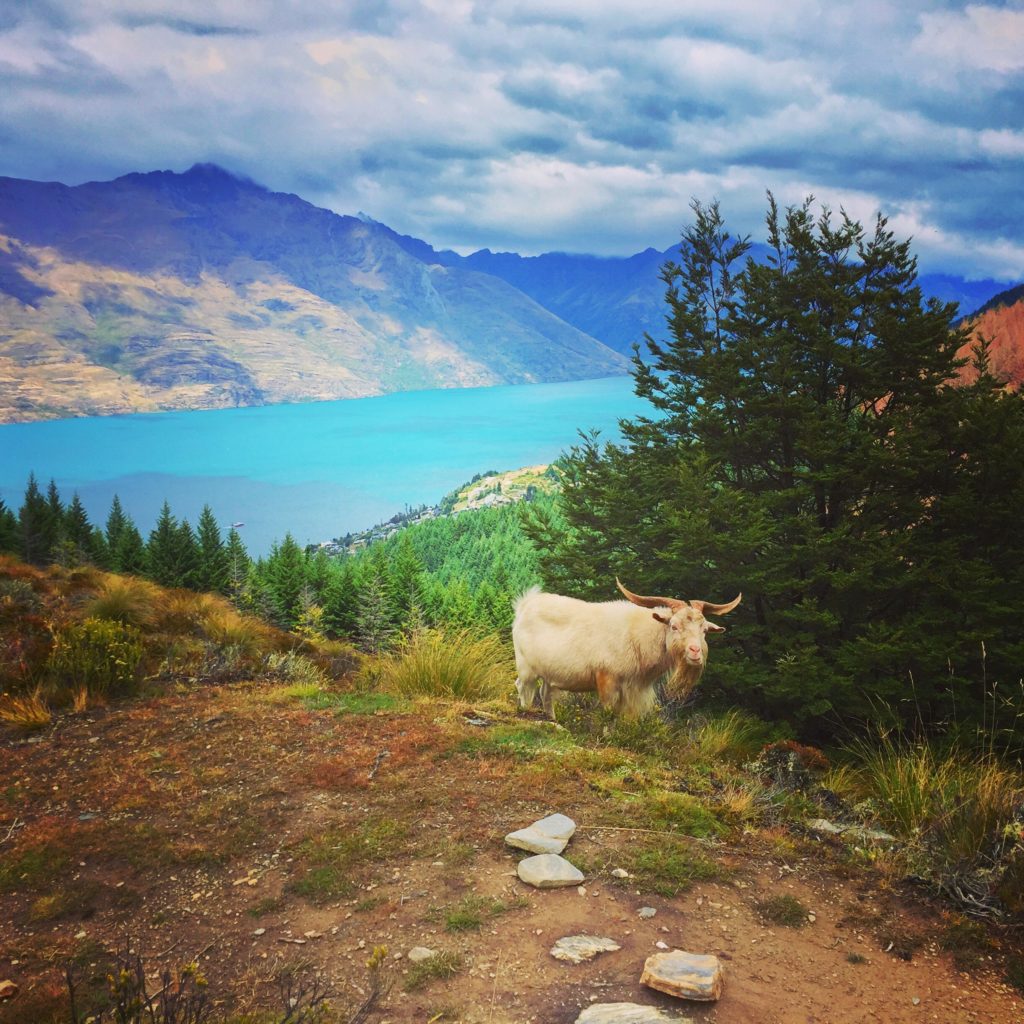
(303, 796)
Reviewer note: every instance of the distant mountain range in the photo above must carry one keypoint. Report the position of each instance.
(203, 289)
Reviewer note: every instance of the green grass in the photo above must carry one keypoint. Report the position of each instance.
(336, 861)
(449, 664)
(522, 742)
(470, 912)
(784, 910)
(441, 965)
(663, 865)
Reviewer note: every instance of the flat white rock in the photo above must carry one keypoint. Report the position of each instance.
(575, 949)
(420, 953)
(684, 975)
(531, 840)
(548, 835)
(628, 1013)
(548, 871)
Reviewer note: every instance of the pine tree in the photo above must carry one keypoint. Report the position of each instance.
(214, 558)
(188, 557)
(130, 556)
(286, 580)
(77, 532)
(9, 537)
(375, 623)
(34, 525)
(238, 562)
(804, 444)
(116, 522)
(341, 600)
(405, 585)
(162, 550)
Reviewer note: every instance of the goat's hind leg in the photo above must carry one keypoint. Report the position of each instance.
(526, 686)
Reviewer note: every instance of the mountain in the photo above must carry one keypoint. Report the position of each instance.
(1001, 321)
(620, 299)
(203, 289)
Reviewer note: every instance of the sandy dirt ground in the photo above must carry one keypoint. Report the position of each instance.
(189, 824)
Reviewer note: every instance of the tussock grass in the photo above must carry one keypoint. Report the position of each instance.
(28, 712)
(227, 628)
(125, 599)
(298, 670)
(733, 736)
(448, 664)
(953, 804)
(442, 965)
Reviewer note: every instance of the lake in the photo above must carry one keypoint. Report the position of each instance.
(318, 469)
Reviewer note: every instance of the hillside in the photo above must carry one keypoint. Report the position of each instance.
(280, 812)
(1001, 321)
(201, 290)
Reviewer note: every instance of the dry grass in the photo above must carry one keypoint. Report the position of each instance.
(448, 664)
(28, 713)
(125, 599)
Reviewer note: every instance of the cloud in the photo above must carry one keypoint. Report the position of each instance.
(543, 124)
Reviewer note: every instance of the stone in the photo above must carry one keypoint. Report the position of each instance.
(684, 975)
(628, 1013)
(575, 949)
(8, 989)
(620, 873)
(532, 841)
(420, 953)
(858, 833)
(548, 871)
(646, 913)
(548, 835)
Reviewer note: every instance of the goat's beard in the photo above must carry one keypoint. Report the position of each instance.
(683, 679)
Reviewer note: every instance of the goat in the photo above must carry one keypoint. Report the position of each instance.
(613, 647)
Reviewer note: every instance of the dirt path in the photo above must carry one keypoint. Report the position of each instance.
(218, 824)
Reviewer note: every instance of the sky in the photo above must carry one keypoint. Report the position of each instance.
(539, 125)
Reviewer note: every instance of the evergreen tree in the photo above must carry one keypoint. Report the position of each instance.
(285, 575)
(188, 557)
(76, 532)
(130, 555)
(9, 536)
(375, 624)
(116, 523)
(214, 558)
(162, 550)
(805, 447)
(405, 585)
(238, 562)
(34, 525)
(341, 600)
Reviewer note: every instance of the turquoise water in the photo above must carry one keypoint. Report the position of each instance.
(319, 469)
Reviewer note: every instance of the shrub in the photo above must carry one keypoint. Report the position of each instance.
(99, 655)
(444, 964)
(455, 664)
(784, 910)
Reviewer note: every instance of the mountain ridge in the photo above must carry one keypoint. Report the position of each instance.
(160, 290)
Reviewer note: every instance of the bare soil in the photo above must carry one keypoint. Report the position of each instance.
(190, 822)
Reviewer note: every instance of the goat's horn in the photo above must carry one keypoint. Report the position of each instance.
(707, 608)
(650, 602)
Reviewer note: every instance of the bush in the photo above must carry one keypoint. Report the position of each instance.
(100, 656)
(455, 664)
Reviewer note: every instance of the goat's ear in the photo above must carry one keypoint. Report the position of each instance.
(660, 618)
(713, 627)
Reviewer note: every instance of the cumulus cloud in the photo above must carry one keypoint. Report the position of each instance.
(544, 124)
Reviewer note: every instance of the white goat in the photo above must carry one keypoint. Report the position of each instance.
(614, 647)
